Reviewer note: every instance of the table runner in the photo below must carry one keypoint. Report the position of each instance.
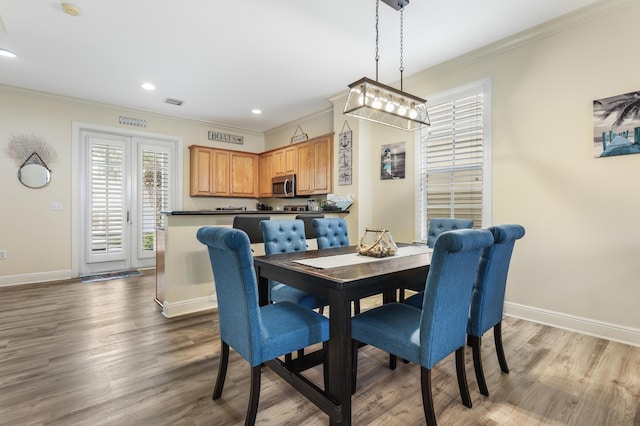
(328, 262)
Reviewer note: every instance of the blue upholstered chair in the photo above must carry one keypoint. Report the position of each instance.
(487, 300)
(257, 333)
(427, 336)
(437, 226)
(286, 236)
(331, 232)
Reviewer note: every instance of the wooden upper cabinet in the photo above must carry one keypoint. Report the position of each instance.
(285, 161)
(315, 166)
(223, 173)
(202, 166)
(244, 174)
(266, 173)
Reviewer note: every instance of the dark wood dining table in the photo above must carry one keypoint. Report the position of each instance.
(340, 285)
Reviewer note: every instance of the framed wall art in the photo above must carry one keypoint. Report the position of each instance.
(616, 125)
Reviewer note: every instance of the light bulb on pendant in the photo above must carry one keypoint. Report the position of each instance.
(402, 110)
(389, 107)
(377, 103)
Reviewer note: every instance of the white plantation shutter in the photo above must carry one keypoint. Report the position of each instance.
(453, 165)
(154, 195)
(107, 215)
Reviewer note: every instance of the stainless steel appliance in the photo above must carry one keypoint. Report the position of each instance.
(283, 186)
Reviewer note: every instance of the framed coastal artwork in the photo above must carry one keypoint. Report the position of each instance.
(392, 159)
(616, 125)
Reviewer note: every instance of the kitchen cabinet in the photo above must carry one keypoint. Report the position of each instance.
(285, 161)
(314, 171)
(266, 173)
(223, 173)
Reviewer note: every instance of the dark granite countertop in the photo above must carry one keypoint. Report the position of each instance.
(248, 212)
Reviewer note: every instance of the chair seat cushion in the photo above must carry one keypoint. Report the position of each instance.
(287, 327)
(416, 300)
(393, 327)
(284, 293)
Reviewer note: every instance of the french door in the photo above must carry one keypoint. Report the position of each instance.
(127, 181)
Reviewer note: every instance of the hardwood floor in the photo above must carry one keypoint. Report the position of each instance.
(102, 354)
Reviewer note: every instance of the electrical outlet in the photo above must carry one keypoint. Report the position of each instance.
(56, 206)
(3, 254)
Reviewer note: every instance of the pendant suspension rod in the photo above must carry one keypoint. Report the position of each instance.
(401, 45)
(377, 19)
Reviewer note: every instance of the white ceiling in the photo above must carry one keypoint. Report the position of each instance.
(223, 58)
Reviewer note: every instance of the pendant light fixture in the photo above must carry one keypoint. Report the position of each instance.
(384, 104)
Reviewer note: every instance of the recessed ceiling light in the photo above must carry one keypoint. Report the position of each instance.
(256, 111)
(148, 86)
(7, 53)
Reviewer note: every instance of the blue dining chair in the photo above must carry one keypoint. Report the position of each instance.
(427, 336)
(332, 232)
(257, 333)
(487, 300)
(286, 236)
(437, 226)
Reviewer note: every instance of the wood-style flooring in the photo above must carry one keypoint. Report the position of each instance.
(102, 354)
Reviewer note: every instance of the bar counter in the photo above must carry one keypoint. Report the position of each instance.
(184, 280)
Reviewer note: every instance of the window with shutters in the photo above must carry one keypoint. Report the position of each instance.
(453, 157)
(155, 196)
(107, 200)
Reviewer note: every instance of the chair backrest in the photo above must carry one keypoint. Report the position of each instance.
(331, 232)
(309, 231)
(236, 289)
(447, 295)
(487, 300)
(439, 225)
(283, 236)
(251, 225)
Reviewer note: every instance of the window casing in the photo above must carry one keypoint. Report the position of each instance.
(454, 158)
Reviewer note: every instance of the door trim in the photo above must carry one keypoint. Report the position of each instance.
(77, 202)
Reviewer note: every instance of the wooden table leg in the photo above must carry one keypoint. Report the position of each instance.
(339, 358)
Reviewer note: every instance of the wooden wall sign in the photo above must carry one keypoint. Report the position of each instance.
(225, 137)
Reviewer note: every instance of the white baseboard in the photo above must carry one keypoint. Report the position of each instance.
(38, 277)
(191, 306)
(614, 332)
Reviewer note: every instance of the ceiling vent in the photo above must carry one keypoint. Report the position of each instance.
(172, 101)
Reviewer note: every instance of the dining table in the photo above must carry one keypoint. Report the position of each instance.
(340, 275)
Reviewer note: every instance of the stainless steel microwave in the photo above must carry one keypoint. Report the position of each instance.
(283, 186)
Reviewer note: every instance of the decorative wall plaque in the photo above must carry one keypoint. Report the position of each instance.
(225, 137)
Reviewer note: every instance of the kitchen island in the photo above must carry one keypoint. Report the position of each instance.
(184, 280)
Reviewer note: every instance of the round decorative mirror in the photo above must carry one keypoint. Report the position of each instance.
(34, 175)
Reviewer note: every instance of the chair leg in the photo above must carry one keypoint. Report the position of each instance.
(325, 365)
(475, 342)
(401, 295)
(462, 377)
(427, 397)
(321, 310)
(254, 396)
(497, 337)
(393, 361)
(354, 366)
(222, 369)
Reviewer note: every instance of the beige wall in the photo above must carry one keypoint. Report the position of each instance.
(577, 267)
(39, 240)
